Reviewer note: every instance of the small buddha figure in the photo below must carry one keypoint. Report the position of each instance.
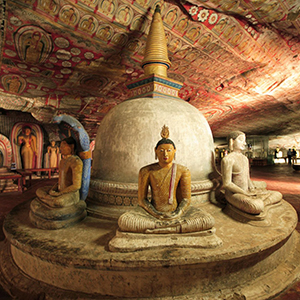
(52, 151)
(14, 84)
(247, 196)
(34, 48)
(169, 210)
(59, 206)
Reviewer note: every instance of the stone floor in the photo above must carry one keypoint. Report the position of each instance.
(280, 177)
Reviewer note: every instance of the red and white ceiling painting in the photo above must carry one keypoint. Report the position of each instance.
(238, 59)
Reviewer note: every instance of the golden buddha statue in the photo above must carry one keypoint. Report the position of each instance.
(69, 182)
(59, 206)
(28, 150)
(169, 210)
(243, 194)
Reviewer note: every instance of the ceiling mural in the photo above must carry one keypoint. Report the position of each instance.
(238, 59)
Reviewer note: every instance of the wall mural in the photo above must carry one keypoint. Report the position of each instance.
(236, 58)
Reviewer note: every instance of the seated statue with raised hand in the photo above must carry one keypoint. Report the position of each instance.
(243, 194)
(168, 210)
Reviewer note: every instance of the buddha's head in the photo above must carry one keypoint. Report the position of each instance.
(26, 130)
(68, 146)
(36, 35)
(236, 140)
(52, 143)
(165, 149)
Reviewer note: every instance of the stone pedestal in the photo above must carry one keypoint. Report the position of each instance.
(47, 212)
(129, 242)
(7, 185)
(45, 217)
(255, 262)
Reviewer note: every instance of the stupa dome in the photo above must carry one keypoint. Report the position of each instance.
(128, 134)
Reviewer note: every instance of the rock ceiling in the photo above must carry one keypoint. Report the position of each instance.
(238, 59)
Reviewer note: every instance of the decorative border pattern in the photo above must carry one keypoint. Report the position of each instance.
(155, 78)
(116, 188)
(126, 194)
(7, 150)
(112, 200)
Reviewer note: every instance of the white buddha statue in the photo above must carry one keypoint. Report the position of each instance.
(247, 196)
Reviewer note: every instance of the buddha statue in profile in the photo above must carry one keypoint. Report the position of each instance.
(60, 206)
(244, 195)
(168, 211)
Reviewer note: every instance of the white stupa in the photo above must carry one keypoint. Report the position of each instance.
(129, 132)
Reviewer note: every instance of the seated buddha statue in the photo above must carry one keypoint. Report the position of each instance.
(59, 206)
(169, 209)
(247, 196)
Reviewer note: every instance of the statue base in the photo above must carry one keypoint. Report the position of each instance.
(129, 242)
(45, 217)
(7, 185)
(255, 220)
(254, 262)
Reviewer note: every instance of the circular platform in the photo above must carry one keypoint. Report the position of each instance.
(255, 261)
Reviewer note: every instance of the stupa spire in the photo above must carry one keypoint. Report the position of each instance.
(155, 82)
(156, 59)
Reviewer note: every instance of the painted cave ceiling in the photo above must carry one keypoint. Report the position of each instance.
(238, 59)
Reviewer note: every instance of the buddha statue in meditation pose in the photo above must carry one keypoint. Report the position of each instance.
(247, 196)
(169, 209)
(59, 206)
